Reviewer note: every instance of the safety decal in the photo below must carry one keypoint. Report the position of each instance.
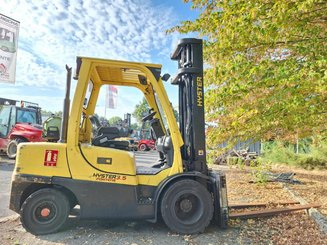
(51, 158)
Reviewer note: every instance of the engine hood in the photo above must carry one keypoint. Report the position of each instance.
(28, 127)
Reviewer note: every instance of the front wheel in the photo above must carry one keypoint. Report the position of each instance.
(12, 147)
(143, 147)
(44, 211)
(187, 207)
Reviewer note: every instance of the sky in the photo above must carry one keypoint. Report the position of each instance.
(52, 33)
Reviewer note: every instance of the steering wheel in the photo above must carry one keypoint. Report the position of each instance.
(149, 117)
(96, 125)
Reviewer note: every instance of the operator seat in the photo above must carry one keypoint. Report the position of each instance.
(105, 135)
(165, 147)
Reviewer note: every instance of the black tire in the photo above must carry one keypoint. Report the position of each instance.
(12, 147)
(187, 207)
(143, 147)
(55, 206)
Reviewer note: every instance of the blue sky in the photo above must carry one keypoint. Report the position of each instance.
(53, 33)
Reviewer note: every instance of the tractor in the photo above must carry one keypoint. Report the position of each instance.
(23, 123)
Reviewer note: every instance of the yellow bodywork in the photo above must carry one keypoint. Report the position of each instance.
(31, 157)
(78, 158)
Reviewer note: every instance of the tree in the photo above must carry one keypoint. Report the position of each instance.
(104, 121)
(113, 121)
(141, 109)
(135, 126)
(58, 113)
(267, 68)
(50, 113)
(176, 114)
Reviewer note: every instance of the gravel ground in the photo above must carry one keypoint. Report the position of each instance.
(296, 228)
(106, 232)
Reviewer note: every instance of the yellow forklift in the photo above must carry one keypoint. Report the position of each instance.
(91, 171)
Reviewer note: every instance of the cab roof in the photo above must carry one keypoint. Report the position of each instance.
(116, 71)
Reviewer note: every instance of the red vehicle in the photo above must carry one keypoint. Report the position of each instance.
(146, 142)
(145, 145)
(19, 124)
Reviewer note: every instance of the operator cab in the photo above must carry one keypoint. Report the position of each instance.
(11, 114)
(119, 97)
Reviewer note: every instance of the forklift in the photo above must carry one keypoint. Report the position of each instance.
(50, 179)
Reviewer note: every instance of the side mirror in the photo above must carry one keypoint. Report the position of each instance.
(165, 77)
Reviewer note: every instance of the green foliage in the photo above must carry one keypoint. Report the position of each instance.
(115, 121)
(103, 120)
(259, 169)
(141, 109)
(210, 158)
(267, 68)
(49, 113)
(235, 161)
(279, 152)
(176, 114)
(135, 126)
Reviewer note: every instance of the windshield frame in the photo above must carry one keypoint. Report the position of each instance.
(5, 125)
(161, 112)
(29, 112)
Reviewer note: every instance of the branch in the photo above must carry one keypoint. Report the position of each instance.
(285, 42)
(309, 12)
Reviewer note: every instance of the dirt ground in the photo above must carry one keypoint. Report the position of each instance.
(295, 228)
(313, 188)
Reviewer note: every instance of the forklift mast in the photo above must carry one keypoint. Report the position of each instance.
(189, 79)
(127, 120)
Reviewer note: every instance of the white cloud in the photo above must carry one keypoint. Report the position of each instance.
(53, 33)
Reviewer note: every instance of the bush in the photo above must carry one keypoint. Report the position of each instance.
(259, 169)
(279, 152)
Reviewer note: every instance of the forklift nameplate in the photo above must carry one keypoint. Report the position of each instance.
(199, 91)
(51, 158)
(108, 177)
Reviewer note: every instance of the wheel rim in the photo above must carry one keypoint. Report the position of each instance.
(142, 147)
(188, 208)
(12, 149)
(45, 212)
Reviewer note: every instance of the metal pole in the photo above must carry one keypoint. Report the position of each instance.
(65, 112)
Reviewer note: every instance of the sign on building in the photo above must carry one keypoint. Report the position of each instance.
(9, 29)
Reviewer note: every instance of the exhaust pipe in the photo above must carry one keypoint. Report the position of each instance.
(65, 111)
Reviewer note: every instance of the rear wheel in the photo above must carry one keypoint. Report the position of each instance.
(187, 207)
(12, 147)
(44, 211)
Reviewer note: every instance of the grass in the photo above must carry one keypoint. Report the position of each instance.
(279, 152)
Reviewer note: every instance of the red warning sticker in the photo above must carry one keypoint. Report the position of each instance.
(51, 158)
